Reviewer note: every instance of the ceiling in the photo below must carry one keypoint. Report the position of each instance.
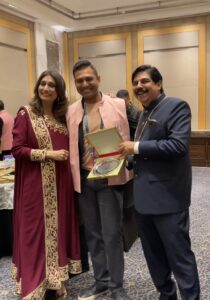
(77, 15)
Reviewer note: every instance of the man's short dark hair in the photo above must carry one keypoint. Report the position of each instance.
(83, 64)
(1, 105)
(122, 94)
(152, 71)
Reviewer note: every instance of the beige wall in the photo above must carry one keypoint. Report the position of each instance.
(133, 29)
(208, 73)
(17, 71)
(30, 26)
(42, 35)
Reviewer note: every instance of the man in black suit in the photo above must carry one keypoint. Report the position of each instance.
(162, 185)
(132, 111)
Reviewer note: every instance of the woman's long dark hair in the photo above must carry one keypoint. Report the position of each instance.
(60, 105)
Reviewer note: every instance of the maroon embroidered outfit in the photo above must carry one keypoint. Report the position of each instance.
(46, 240)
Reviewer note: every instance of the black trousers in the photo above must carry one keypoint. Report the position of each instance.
(6, 232)
(4, 152)
(167, 248)
(101, 211)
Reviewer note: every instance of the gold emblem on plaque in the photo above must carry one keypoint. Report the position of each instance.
(105, 166)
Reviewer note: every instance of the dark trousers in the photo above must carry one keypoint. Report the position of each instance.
(4, 152)
(101, 209)
(6, 232)
(167, 248)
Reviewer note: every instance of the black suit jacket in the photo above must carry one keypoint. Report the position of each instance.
(162, 168)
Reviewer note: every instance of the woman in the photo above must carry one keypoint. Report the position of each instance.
(46, 240)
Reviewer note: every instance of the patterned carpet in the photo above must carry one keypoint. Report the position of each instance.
(137, 280)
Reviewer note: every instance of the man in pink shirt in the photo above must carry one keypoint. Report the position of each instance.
(6, 138)
(100, 201)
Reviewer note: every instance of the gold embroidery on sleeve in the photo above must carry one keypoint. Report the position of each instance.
(38, 155)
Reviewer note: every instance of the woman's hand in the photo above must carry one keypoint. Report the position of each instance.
(57, 154)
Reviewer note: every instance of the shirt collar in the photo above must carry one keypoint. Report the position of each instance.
(154, 103)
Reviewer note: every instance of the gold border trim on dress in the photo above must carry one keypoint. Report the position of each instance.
(54, 274)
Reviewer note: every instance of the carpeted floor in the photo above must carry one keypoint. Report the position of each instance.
(137, 280)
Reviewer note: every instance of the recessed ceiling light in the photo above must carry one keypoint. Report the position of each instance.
(11, 5)
(59, 28)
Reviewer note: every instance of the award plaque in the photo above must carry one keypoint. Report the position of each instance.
(106, 143)
(105, 166)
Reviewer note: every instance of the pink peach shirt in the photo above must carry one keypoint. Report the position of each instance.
(6, 139)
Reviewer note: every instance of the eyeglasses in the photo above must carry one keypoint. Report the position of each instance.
(142, 81)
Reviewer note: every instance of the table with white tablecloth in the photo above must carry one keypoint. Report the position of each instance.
(6, 195)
